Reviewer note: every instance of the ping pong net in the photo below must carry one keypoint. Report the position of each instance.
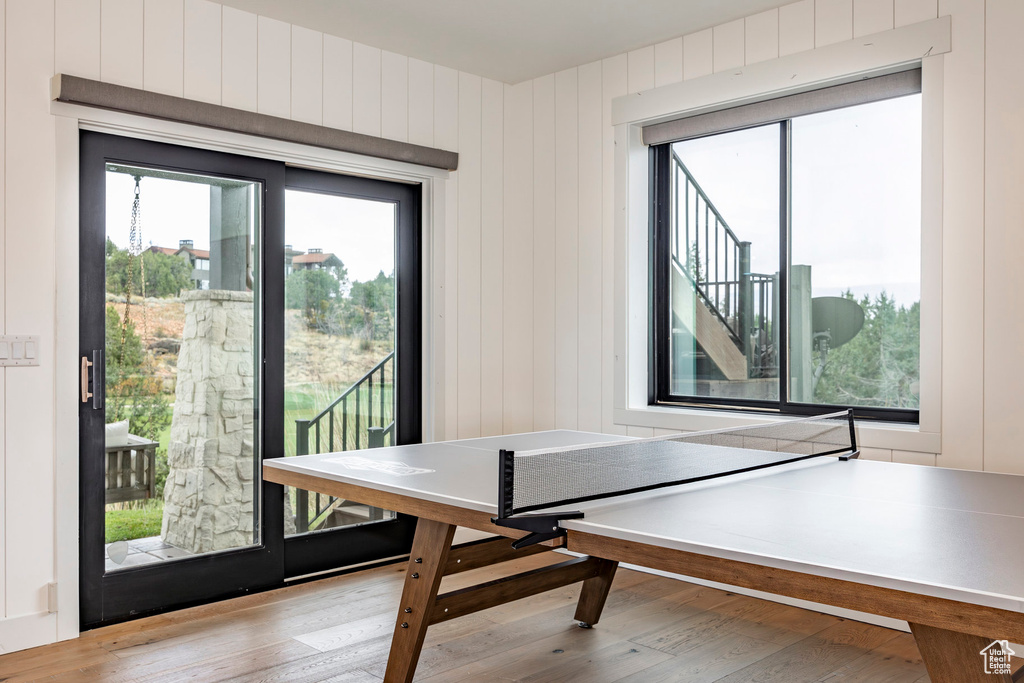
(553, 478)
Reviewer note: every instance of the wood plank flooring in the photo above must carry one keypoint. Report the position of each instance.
(654, 630)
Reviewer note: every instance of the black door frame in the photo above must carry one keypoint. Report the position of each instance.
(148, 589)
(313, 552)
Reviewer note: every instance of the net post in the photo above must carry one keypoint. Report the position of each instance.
(854, 453)
(506, 482)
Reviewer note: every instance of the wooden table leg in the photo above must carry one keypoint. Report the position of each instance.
(594, 594)
(427, 561)
(953, 657)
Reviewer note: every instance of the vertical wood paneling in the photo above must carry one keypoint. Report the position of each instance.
(1004, 239)
(421, 102)
(492, 216)
(163, 47)
(544, 253)
(307, 75)
(641, 69)
(613, 75)
(912, 11)
(366, 89)
(337, 82)
(913, 458)
(566, 246)
(3, 304)
(517, 254)
(469, 264)
(446, 136)
(394, 108)
(238, 59)
(761, 37)
(273, 64)
(589, 381)
(879, 454)
(121, 50)
(872, 16)
(202, 70)
(796, 27)
(668, 62)
(833, 21)
(698, 54)
(77, 45)
(728, 46)
(29, 286)
(963, 239)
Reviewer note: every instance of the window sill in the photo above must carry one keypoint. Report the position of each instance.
(888, 435)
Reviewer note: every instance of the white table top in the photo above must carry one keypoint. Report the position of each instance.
(947, 533)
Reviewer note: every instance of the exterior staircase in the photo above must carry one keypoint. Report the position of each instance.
(362, 416)
(728, 310)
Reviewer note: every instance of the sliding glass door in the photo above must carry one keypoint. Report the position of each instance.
(351, 362)
(208, 345)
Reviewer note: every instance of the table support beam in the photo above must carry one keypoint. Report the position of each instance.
(953, 657)
(510, 588)
(594, 593)
(432, 558)
(429, 556)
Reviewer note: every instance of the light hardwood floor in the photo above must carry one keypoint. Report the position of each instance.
(653, 630)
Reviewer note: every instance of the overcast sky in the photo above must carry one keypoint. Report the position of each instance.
(856, 221)
(359, 232)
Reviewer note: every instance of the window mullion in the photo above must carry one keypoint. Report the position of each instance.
(785, 147)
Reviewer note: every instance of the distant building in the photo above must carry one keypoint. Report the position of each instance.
(199, 259)
(316, 259)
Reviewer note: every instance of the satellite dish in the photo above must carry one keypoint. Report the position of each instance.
(838, 318)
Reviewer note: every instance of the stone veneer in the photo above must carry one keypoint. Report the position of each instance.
(208, 497)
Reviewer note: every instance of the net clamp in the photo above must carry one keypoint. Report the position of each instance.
(852, 455)
(542, 527)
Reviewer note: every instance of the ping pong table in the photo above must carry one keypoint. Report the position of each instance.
(940, 549)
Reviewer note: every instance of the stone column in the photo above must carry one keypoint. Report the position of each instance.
(208, 497)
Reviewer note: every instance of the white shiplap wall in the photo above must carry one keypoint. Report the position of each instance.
(529, 244)
(572, 216)
(201, 50)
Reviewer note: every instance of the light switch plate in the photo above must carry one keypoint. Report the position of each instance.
(19, 349)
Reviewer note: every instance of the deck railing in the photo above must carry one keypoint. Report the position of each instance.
(361, 417)
(718, 264)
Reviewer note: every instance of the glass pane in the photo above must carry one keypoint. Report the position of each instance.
(181, 459)
(855, 295)
(339, 341)
(725, 263)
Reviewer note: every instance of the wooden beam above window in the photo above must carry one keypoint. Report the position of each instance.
(90, 93)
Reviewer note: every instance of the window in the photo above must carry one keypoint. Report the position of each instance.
(786, 254)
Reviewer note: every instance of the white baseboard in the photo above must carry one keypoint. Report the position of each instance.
(31, 630)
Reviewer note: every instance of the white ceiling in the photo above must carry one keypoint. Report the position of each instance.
(507, 40)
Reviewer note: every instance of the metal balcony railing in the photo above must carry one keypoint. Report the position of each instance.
(717, 262)
(361, 417)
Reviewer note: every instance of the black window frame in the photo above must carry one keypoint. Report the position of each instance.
(660, 327)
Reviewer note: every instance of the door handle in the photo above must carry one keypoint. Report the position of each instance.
(92, 380)
(86, 394)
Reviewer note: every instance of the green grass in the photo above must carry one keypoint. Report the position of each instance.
(127, 525)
